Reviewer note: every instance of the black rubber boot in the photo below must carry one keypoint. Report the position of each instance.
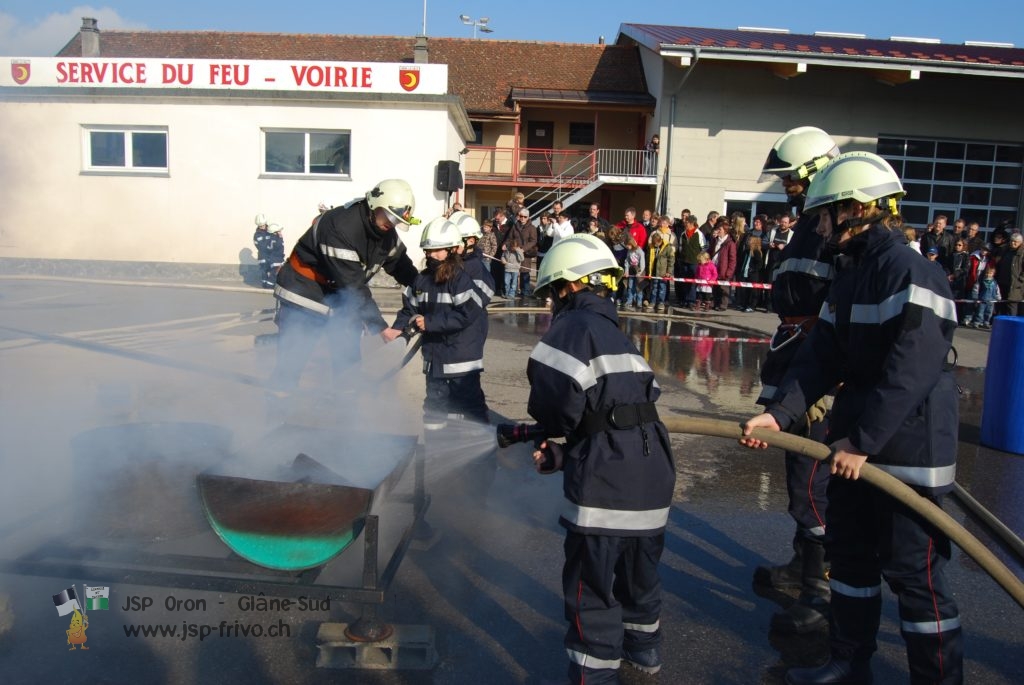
(835, 672)
(782, 577)
(811, 610)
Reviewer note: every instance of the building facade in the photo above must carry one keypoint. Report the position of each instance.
(946, 116)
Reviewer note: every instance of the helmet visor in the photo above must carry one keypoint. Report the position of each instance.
(401, 217)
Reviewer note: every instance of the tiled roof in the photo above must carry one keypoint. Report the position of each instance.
(982, 56)
(481, 72)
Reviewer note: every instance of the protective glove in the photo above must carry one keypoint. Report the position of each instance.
(816, 412)
(548, 457)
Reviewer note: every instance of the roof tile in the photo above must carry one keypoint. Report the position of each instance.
(653, 35)
(481, 72)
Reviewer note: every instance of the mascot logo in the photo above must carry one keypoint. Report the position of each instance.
(21, 71)
(409, 79)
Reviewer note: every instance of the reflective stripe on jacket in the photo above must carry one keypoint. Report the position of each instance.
(884, 332)
(615, 481)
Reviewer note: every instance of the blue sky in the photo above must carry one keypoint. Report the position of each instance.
(40, 28)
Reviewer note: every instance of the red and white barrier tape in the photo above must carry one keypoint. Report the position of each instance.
(698, 338)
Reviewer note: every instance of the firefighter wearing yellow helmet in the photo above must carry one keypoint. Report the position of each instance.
(882, 338)
(590, 385)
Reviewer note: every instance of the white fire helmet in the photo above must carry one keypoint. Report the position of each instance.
(440, 233)
(800, 153)
(395, 197)
(274, 228)
(468, 226)
(578, 257)
(261, 219)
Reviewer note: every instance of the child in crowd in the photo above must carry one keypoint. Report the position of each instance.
(706, 271)
(663, 258)
(750, 271)
(636, 268)
(985, 293)
(512, 256)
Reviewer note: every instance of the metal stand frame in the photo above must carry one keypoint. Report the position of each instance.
(67, 557)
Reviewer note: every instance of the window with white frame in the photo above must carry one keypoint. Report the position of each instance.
(980, 181)
(306, 153)
(135, 149)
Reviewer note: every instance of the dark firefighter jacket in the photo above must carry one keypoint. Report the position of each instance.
(480, 272)
(884, 332)
(799, 286)
(617, 481)
(341, 253)
(452, 342)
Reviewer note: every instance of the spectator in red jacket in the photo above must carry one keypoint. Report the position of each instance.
(723, 254)
(635, 229)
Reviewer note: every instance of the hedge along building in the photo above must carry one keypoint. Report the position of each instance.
(946, 116)
(162, 147)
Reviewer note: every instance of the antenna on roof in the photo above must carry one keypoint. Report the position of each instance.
(424, 17)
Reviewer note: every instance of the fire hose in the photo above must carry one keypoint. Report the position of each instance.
(901, 492)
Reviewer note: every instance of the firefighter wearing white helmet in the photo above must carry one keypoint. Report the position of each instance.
(590, 385)
(261, 240)
(444, 305)
(882, 338)
(473, 263)
(324, 283)
(796, 156)
(802, 271)
(394, 198)
(269, 253)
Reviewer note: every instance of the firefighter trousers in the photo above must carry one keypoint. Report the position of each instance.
(612, 600)
(807, 482)
(872, 536)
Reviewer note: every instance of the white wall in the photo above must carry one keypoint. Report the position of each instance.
(729, 115)
(202, 211)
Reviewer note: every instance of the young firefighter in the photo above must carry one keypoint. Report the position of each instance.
(799, 286)
(884, 332)
(444, 303)
(589, 385)
(274, 258)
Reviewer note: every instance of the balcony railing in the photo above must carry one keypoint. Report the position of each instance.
(567, 168)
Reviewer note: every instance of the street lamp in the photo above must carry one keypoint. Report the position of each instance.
(480, 23)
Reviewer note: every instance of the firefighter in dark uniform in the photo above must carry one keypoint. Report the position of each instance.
(799, 286)
(474, 265)
(324, 284)
(259, 240)
(590, 385)
(273, 257)
(883, 333)
(443, 302)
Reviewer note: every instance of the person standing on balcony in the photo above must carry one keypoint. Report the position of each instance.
(501, 230)
(651, 158)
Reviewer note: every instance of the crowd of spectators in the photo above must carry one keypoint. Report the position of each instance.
(656, 251)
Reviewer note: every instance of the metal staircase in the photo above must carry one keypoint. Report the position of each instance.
(628, 167)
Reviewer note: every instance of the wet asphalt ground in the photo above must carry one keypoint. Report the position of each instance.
(77, 356)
